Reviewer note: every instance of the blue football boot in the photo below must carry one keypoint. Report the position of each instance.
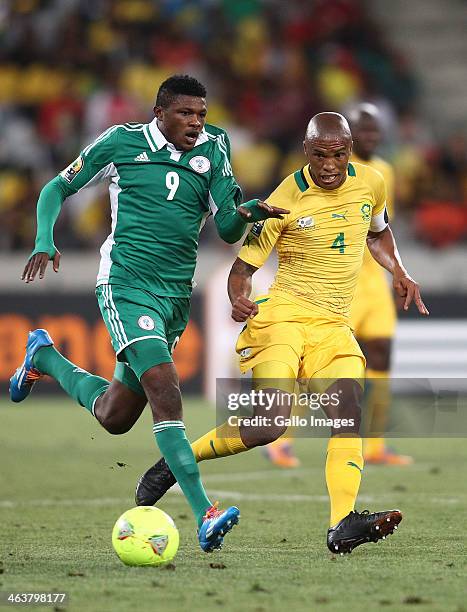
(26, 375)
(216, 523)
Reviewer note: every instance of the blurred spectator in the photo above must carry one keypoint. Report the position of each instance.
(108, 105)
(441, 216)
(69, 69)
(440, 224)
(453, 164)
(58, 124)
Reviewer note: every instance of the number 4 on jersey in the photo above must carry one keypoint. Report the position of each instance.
(339, 243)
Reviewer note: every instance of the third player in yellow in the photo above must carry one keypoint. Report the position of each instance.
(373, 312)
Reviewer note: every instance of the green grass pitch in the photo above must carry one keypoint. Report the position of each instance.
(64, 481)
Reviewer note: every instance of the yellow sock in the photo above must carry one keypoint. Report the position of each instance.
(219, 442)
(377, 405)
(344, 465)
(374, 446)
(225, 440)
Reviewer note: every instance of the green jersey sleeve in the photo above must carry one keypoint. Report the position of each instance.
(224, 192)
(93, 164)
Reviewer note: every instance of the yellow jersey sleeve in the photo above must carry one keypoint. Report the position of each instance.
(260, 241)
(388, 174)
(382, 166)
(379, 214)
(390, 189)
(263, 235)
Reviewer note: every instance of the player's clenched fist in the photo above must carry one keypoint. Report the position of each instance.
(243, 309)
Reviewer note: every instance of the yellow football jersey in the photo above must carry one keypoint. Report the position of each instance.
(320, 242)
(386, 170)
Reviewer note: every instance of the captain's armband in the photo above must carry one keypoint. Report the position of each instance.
(380, 221)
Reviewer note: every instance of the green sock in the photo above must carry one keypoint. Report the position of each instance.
(84, 387)
(174, 445)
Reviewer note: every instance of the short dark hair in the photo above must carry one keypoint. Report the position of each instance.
(179, 85)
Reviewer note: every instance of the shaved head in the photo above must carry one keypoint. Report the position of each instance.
(328, 146)
(328, 126)
(362, 111)
(366, 129)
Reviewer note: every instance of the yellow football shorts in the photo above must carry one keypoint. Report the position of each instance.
(373, 313)
(312, 344)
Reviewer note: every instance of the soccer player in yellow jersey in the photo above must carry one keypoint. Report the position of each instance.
(373, 313)
(301, 330)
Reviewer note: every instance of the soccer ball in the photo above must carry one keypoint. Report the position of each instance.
(145, 536)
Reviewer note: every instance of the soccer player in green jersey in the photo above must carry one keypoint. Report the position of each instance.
(165, 178)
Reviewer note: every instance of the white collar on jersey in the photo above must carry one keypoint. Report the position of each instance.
(157, 140)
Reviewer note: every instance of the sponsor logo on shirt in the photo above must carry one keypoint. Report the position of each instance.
(146, 322)
(305, 222)
(200, 164)
(340, 215)
(71, 172)
(142, 157)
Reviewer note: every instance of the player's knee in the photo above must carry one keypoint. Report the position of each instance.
(118, 429)
(161, 379)
(166, 403)
(349, 420)
(113, 422)
(115, 426)
(270, 434)
(111, 417)
(162, 388)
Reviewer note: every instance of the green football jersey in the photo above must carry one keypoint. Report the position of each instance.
(160, 198)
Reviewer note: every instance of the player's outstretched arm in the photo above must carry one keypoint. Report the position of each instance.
(49, 205)
(384, 250)
(239, 289)
(231, 222)
(257, 210)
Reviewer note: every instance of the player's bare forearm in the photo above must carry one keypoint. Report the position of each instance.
(239, 289)
(383, 249)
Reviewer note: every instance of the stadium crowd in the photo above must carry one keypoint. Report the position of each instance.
(71, 68)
